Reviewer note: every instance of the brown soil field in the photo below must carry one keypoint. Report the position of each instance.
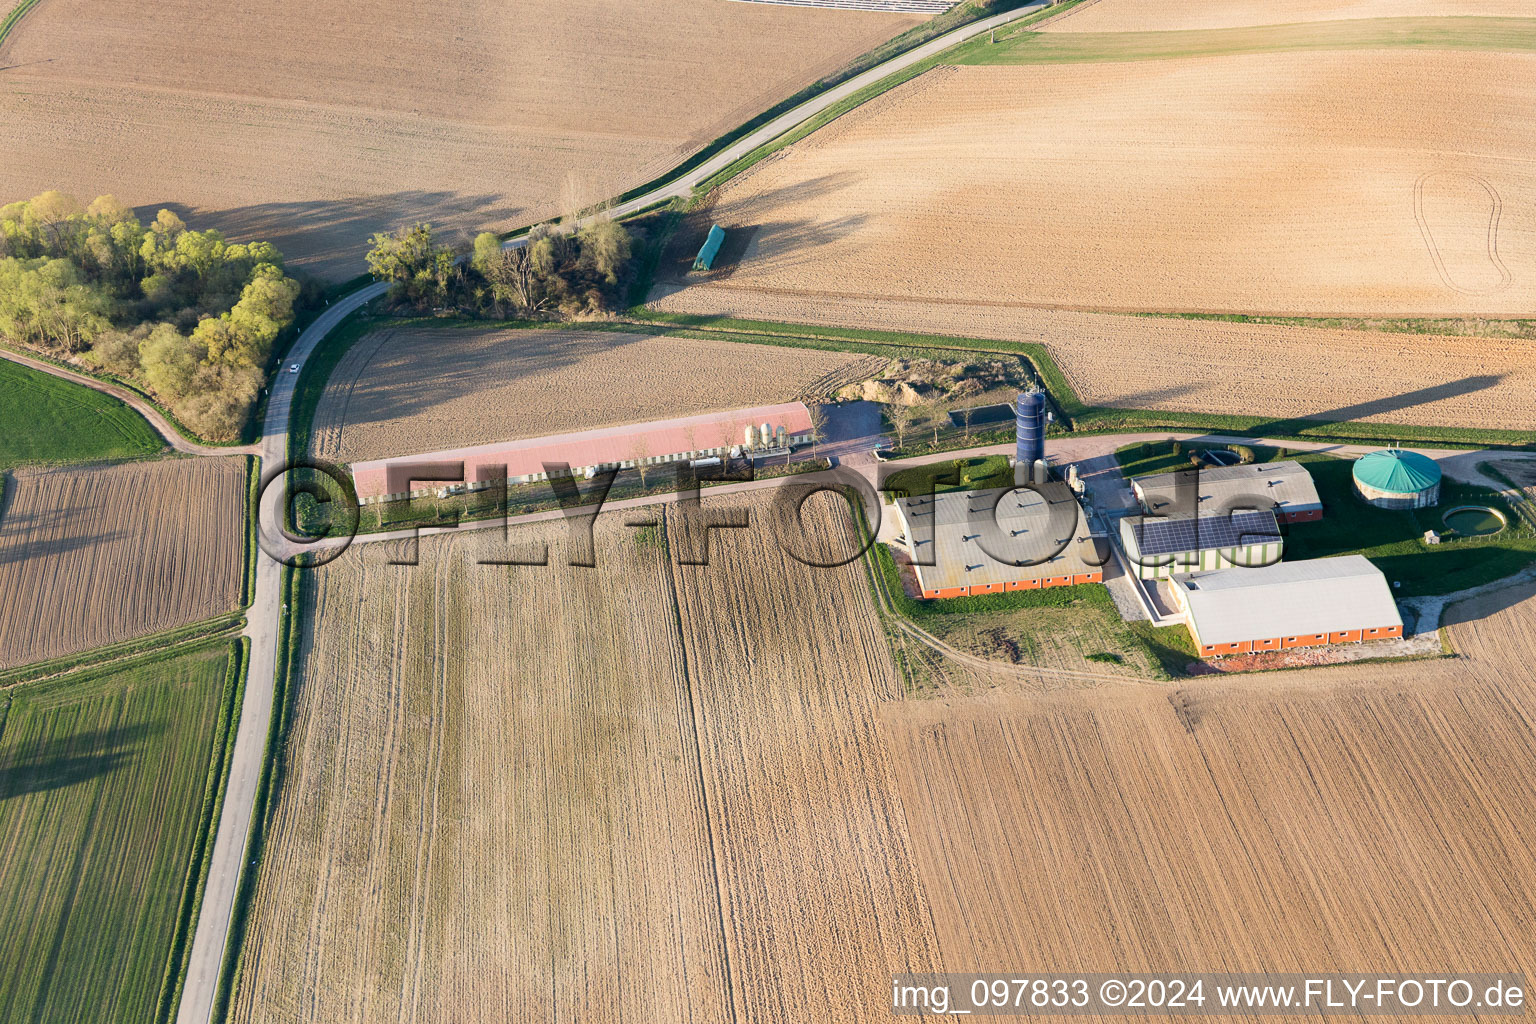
(1159, 15)
(411, 390)
(636, 792)
(95, 556)
(1242, 184)
(1361, 818)
(1138, 362)
(315, 126)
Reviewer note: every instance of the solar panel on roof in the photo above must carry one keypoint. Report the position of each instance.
(1171, 536)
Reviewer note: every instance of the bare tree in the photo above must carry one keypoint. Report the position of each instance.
(818, 424)
(639, 452)
(901, 421)
(966, 391)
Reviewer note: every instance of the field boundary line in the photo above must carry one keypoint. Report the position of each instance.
(698, 764)
(219, 763)
(125, 653)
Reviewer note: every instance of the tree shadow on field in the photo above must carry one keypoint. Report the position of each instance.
(328, 239)
(1380, 406)
(68, 760)
(20, 533)
(1487, 605)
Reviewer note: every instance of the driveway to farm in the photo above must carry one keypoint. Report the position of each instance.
(135, 402)
(264, 616)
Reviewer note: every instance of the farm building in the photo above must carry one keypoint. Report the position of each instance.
(736, 432)
(705, 260)
(1290, 604)
(1284, 487)
(974, 539)
(1159, 546)
(1394, 478)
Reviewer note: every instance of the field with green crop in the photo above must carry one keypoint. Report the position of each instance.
(108, 786)
(45, 420)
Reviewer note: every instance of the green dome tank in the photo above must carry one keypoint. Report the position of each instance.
(1394, 478)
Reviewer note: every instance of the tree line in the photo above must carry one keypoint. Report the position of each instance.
(185, 314)
(559, 273)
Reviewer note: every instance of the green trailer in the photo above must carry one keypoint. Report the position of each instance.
(705, 260)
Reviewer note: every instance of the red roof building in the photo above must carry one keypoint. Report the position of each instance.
(586, 452)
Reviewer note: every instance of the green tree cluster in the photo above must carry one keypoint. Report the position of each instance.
(557, 273)
(185, 313)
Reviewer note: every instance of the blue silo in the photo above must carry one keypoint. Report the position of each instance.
(1031, 428)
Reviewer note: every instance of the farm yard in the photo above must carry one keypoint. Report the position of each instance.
(1228, 184)
(418, 389)
(654, 792)
(343, 121)
(1157, 15)
(1042, 824)
(98, 555)
(106, 796)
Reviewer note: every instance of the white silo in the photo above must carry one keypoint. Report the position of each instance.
(751, 436)
(781, 436)
(765, 432)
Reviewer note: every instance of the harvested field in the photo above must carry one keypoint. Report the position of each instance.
(94, 556)
(106, 801)
(1159, 15)
(788, 669)
(646, 793)
(1360, 818)
(491, 808)
(398, 392)
(1219, 184)
(1207, 366)
(313, 127)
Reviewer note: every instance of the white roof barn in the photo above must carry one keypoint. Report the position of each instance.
(1286, 487)
(1288, 599)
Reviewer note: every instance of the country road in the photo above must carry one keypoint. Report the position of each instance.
(212, 937)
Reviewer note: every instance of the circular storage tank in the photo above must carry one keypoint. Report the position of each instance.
(1393, 478)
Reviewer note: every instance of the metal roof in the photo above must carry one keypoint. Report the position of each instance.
(1318, 595)
(1044, 528)
(605, 446)
(1284, 486)
(1397, 471)
(1168, 536)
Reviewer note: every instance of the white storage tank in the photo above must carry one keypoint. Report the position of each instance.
(751, 436)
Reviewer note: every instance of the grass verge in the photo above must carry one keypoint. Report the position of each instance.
(97, 657)
(290, 638)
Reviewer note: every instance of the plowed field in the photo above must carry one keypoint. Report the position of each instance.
(636, 792)
(1367, 818)
(1254, 183)
(315, 125)
(1157, 15)
(398, 392)
(1238, 369)
(94, 556)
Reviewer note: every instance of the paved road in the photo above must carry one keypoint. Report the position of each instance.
(135, 402)
(263, 617)
(262, 620)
